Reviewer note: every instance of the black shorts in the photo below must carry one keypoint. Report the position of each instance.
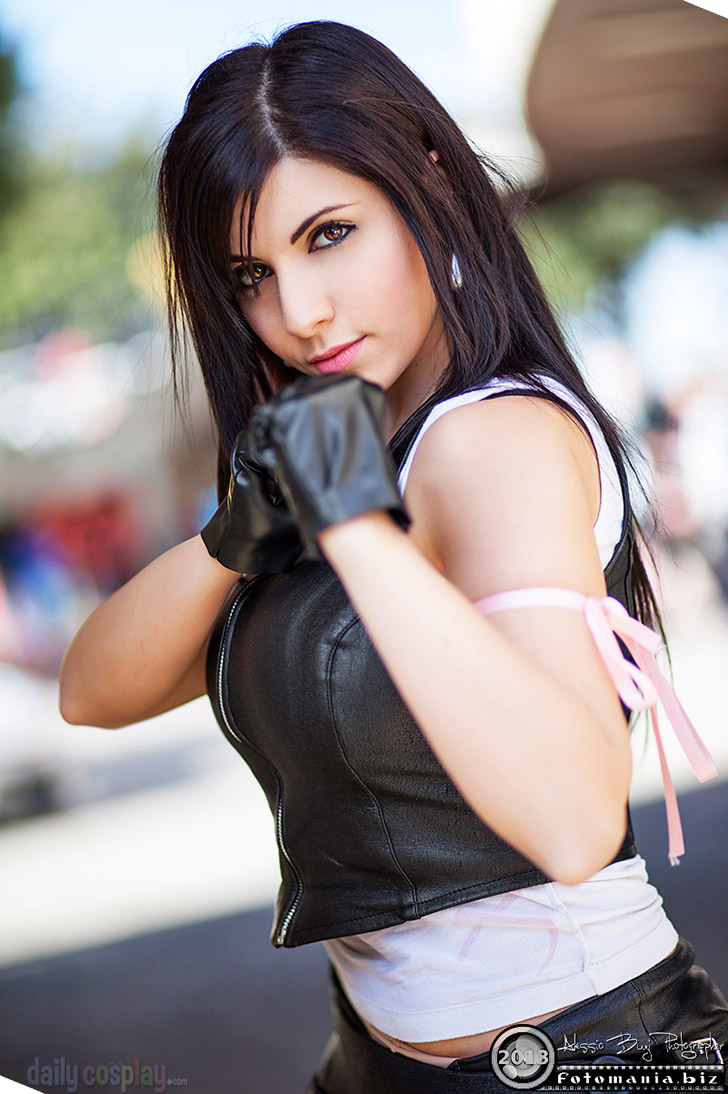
(673, 1003)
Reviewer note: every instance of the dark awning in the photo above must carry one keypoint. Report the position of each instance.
(630, 88)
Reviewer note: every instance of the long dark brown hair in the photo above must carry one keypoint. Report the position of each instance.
(328, 92)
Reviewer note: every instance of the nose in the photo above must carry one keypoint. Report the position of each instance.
(305, 303)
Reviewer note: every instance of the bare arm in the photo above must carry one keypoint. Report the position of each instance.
(518, 706)
(143, 650)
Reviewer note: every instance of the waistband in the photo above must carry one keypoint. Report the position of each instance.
(673, 1012)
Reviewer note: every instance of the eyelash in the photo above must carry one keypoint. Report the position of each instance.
(241, 272)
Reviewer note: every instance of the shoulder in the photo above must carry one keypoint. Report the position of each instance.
(510, 477)
(512, 424)
(516, 431)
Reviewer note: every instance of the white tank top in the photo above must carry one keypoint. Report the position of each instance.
(506, 958)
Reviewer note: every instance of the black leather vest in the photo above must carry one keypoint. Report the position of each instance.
(371, 830)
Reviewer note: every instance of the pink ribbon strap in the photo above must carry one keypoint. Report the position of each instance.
(639, 686)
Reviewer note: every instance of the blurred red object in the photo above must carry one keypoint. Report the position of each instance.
(102, 536)
(56, 351)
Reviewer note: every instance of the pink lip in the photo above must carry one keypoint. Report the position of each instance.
(338, 358)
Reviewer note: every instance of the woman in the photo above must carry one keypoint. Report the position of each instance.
(447, 761)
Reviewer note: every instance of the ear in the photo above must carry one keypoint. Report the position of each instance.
(435, 157)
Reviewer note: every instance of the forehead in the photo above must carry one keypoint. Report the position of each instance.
(294, 190)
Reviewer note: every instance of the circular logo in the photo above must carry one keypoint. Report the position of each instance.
(522, 1057)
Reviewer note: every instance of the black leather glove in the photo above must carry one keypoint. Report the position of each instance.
(252, 531)
(324, 439)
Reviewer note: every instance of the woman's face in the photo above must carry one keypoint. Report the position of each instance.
(343, 286)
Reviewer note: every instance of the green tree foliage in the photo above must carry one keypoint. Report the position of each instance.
(587, 237)
(10, 153)
(63, 249)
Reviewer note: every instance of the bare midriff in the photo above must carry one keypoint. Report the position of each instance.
(473, 1044)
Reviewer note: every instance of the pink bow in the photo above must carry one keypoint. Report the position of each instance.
(639, 686)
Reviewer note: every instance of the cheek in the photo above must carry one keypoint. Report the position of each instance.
(413, 283)
(390, 276)
(263, 318)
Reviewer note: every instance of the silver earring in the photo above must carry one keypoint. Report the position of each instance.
(456, 277)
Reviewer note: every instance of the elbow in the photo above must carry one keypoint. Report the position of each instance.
(68, 702)
(74, 703)
(67, 705)
(596, 832)
(579, 860)
(574, 870)
(74, 712)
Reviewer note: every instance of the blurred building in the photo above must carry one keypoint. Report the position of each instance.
(637, 91)
(631, 89)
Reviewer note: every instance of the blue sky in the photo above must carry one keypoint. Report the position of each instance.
(95, 68)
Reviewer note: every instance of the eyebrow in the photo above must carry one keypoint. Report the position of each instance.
(308, 222)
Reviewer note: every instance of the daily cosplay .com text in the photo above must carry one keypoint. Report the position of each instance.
(116, 1075)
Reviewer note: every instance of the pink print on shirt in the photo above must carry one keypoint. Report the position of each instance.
(464, 914)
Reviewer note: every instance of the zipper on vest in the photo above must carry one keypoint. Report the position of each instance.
(288, 918)
(221, 662)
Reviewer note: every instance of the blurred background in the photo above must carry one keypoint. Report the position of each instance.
(139, 867)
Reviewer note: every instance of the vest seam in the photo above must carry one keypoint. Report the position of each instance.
(334, 721)
(539, 878)
(418, 905)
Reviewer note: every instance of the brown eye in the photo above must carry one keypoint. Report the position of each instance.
(248, 276)
(328, 235)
